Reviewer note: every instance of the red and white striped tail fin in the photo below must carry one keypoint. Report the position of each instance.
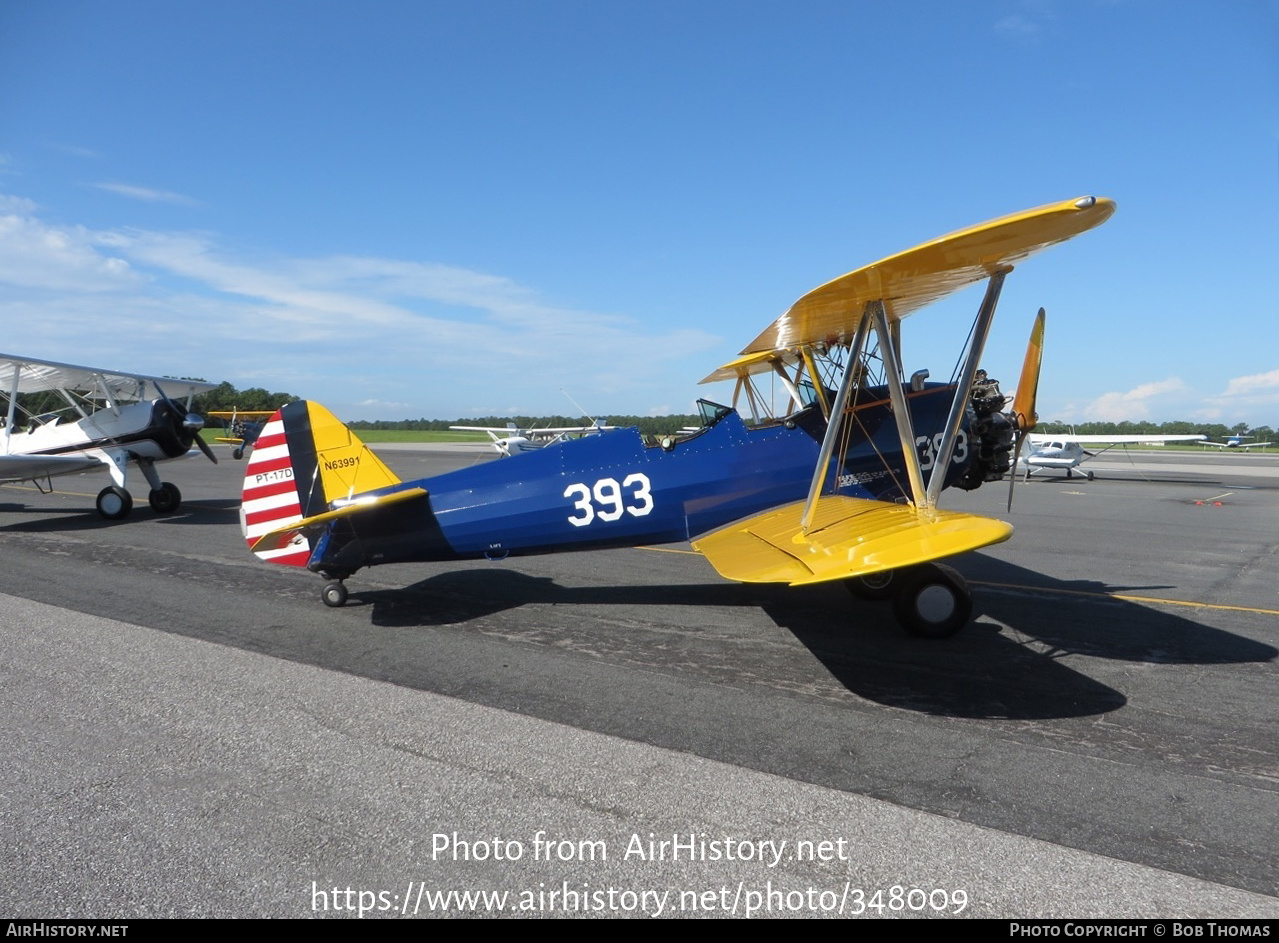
(271, 499)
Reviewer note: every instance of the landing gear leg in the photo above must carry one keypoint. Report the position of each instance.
(933, 601)
(334, 594)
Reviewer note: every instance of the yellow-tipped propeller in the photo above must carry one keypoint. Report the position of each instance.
(1023, 412)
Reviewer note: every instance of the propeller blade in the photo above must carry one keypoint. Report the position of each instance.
(1023, 412)
(188, 423)
(1012, 471)
(1028, 386)
(204, 447)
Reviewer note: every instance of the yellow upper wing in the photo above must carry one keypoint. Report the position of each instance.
(912, 279)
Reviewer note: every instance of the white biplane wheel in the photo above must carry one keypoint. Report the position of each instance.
(334, 594)
(874, 586)
(114, 503)
(165, 499)
(933, 601)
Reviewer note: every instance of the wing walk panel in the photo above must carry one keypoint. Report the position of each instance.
(848, 537)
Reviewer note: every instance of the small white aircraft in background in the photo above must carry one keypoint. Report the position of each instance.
(1068, 452)
(512, 440)
(105, 420)
(1237, 442)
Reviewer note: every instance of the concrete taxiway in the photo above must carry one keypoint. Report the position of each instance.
(193, 733)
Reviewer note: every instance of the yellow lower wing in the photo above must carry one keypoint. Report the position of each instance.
(848, 537)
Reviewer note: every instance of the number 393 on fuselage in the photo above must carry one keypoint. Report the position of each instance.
(840, 484)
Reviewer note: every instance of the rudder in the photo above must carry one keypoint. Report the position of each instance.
(304, 459)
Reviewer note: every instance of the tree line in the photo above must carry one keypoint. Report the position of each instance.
(226, 397)
(648, 425)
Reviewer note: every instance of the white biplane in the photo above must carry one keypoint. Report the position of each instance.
(92, 418)
(512, 440)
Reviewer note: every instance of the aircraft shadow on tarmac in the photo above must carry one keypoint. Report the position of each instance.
(981, 673)
(67, 519)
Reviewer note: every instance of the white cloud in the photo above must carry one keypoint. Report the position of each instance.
(1258, 383)
(36, 255)
(1134, 404)
(18, 205)
(368, 334)
(1034, 17)
(1015, 25)
(1253, 393)
(146, 194)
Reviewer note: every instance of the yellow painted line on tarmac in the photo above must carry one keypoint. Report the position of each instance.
(1047, 590)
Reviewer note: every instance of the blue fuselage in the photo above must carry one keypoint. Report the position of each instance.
(616, 489)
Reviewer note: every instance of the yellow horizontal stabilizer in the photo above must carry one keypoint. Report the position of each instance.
(283, 535)
(909, 280)
(848, 537)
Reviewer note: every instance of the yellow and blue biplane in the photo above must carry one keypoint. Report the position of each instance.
(245, 426)
(840, 485)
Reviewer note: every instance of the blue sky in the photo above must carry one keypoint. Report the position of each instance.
(448, 209)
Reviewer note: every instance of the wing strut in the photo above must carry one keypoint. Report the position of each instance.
(13, 400)
(981, 331)
(901, 409)
(836, 418)
(819, 388)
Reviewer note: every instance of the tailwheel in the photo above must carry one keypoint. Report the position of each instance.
(165, 499)
(932, 601)
(114, 503)
(874, 586)
(334, 594)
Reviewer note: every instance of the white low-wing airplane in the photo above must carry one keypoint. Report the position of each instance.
(1068, 452)
(1237, 442)
(106, 419)
(513, 440)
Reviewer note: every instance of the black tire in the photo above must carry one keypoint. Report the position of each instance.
(874, 586)
(114, 503)
(166, 499)
(334, 595)
(237, 454)
(933, 602)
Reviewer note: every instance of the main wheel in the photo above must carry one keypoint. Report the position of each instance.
(114, 503)
(874, 585)
(237, 453)
(933, 601)
(165, 499)
(334, 594)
